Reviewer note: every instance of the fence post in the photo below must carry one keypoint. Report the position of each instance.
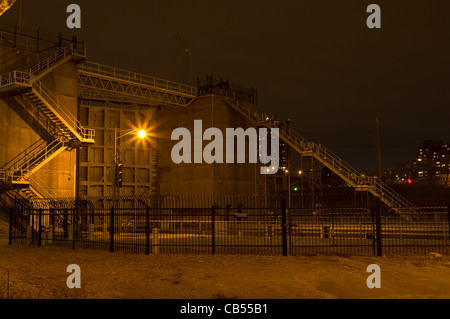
(53, 224)
(147, 230)
(213, 230)
(374, 230)
(65, 223)
(40, 228)
(11, 219)
(111, 231)
(378, 226)
(448, 215)
(284, 226)
(155, 241)
(74, 224)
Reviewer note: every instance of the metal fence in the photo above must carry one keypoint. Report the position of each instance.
(425, 233)
(139, 225)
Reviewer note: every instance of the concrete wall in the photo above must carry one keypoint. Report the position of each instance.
(202, 178)
(18, 131)
(15, 59)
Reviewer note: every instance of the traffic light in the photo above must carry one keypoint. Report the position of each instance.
(119, 173)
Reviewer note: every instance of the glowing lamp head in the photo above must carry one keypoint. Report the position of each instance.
(142, 134)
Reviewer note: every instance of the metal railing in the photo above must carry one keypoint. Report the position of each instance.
(57, 55)
(136, 78)
(24, 166)
(41, 187)
(15, 77)
(252, 115)
(29, 43)
(135, 225)
(354, 177)
(13, 161)
(29, 78)
(41, 65)
(58, 108)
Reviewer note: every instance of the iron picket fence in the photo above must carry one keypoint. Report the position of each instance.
(135, 225)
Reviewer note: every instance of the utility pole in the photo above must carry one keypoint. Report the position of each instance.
(20, 16)
(289, 180)
(378, 149)
(188, 50)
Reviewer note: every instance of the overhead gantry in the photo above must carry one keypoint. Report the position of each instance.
(101, 82)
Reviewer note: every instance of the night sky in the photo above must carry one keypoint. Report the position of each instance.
(315, 62)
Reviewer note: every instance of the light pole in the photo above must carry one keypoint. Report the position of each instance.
(117, 164)
(188, 50)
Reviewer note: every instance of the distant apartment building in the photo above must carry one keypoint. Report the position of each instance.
(432, 161)
(432, 164)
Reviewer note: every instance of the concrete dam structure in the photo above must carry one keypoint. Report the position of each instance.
(69, 129)
(66, 124)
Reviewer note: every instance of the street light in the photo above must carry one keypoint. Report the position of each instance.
(118, 165)
(142, 134)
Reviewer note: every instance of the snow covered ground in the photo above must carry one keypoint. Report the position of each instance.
(31, 272)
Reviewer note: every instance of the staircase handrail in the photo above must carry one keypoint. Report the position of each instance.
(55, 56)
(25, 164)
(42, 187)
(49, 97)
(26, 151)
(71, 120)
(28, 76)
(14, 77)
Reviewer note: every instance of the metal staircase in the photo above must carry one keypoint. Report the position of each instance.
(26, 89)
(68, 124)
(350, 175)
(39, 189)
(18, 171)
